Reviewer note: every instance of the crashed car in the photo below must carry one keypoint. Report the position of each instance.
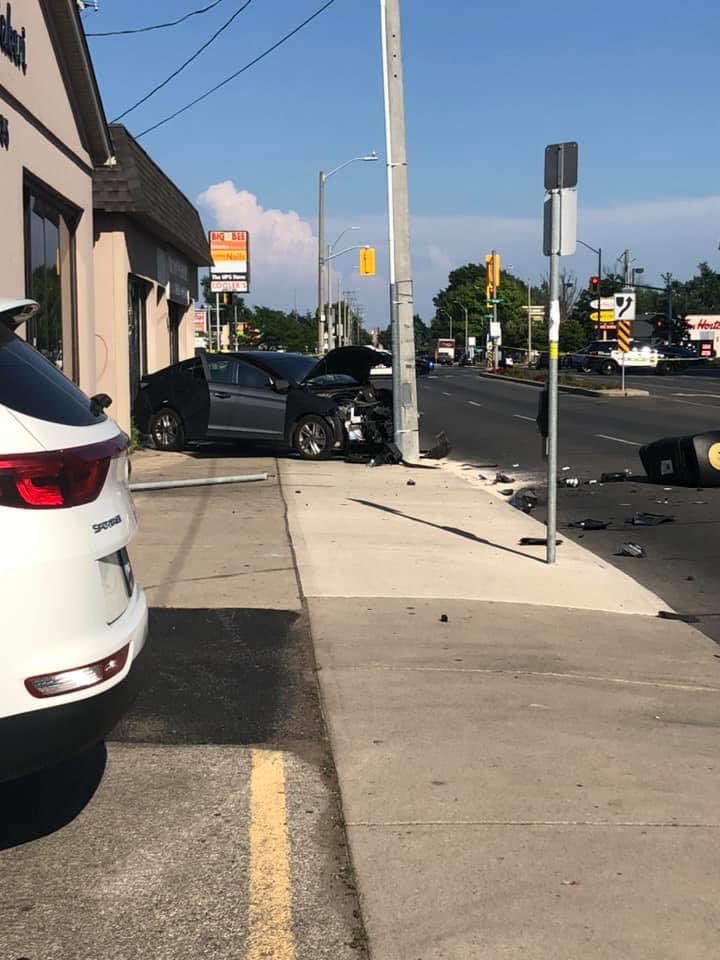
(317, 407)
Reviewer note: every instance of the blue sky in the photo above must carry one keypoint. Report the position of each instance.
(487, 86)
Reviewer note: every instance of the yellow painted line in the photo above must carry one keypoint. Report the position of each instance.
(270, 916)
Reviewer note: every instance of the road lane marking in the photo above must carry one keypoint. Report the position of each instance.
(630, 443)
(521, 417)
(270, 918)
(474, 403)
(715, 396)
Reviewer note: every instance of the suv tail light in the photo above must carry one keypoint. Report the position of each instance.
(78, 678)
(59, 478)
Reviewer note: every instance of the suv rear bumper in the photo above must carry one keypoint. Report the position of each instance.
(42, 738)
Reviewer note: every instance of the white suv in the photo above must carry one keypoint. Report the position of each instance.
(74, 622)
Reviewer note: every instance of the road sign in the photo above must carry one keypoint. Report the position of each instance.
(561, 166)
(606, 316)
(624, 306)
(538, 311)
(606, 303)
(623, 336)
(495, 330)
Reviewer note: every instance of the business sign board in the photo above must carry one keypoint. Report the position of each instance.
(230, 255)
(200, 321)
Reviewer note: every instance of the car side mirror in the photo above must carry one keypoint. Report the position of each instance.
(281, 386)
(99, 403)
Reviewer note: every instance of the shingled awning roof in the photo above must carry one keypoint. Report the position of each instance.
(137, 187)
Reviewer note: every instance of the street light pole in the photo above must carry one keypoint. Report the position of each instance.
(405, 413)
(599, 256)
(324, 177)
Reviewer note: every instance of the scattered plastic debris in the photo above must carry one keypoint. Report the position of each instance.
(570, 482)
(662, 501)
(632, 550)
(565, 468)
(503, 478)
(613, 477)
(650, 519)
(684, 617)
(590, 524)
(441, 449)
(444, 618)
(410, 483)
(591, 483)
(515, 466)
(536, 542)
(507, 493)
(481, 476)
(524, 500)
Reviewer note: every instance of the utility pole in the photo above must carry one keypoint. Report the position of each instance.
(217, 322)
(405, 413)
(496, 341)
(530, 320)
(330, 329)
(626, 268)
(321, 265)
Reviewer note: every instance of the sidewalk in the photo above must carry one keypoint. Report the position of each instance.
(535, 777)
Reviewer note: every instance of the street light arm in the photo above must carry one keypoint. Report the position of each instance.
(368, 158)
(359, 246)
(346, 230)
(587, 245)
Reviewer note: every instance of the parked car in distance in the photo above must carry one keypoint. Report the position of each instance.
(263, 395)
(443, 360)
(74, 620)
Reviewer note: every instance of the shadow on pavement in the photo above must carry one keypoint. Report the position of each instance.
(456, 531)
(43, 802)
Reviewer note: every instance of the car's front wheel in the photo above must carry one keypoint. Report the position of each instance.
(665, 369)
(608, 368)
(167, 430)
(313, 438)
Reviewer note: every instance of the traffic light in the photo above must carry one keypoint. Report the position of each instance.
(594, 284)
(492, 274)
(367, 261)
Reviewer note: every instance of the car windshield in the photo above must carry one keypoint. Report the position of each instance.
(293, 367)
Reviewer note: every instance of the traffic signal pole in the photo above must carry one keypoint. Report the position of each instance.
(405, 413)
(553, 351)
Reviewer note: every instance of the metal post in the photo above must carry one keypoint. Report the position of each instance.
(321, 263)
(328, 272)
(405, 414)
(553, 341)
(669, 315)
(217, 322)
(496, 340)
(622, 373)
(467, 348)
(599, 313)
(340, 335)
(529, 350)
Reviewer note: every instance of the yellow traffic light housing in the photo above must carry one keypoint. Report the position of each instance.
(367, 261)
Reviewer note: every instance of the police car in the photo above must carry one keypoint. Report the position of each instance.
(603, 356)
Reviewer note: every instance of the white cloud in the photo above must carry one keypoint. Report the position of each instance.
(668, 234)
(283, 250)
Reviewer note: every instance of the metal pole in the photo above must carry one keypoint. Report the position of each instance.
(553, 341)
(622, 374)
(496, 341)
(321, 264)
(599, 314)
(669, 315)
(529, 323)
(330, 327)
(405, 413)
(340, 335)
(217, 322)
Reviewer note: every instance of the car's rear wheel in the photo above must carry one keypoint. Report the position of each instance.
(313, 438)
(608, 368)
(167, 430)
(665, 369)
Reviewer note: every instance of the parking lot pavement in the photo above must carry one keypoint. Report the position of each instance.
(209, 824)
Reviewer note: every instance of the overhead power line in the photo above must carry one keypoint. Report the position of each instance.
(180, 69)
(237, 73)
(156, 26)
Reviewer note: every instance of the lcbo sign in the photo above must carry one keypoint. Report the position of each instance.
(13, 42)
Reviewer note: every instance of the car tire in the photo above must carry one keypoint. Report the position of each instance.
(313, 438)
(167, 430)
(608, 368)
(665, 369)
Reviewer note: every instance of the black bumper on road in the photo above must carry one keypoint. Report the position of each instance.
(42, 738)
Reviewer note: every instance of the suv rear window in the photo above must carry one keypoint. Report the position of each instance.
(32, 385)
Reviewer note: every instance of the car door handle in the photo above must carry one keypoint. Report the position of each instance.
(220, 395)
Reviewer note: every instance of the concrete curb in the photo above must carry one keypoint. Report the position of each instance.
(581, 391)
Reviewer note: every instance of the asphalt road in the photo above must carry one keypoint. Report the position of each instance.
(493, 422)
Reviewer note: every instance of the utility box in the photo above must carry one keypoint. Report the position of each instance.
(692, 461)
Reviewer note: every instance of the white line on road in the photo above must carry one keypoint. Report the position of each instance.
(474, 403)
(519, 416)
(630, 443)
(715, 396)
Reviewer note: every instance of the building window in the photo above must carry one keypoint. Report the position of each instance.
(175, 315)
(50, 278)
(137, 333)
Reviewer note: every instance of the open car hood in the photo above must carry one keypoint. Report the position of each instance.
(356, 362)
